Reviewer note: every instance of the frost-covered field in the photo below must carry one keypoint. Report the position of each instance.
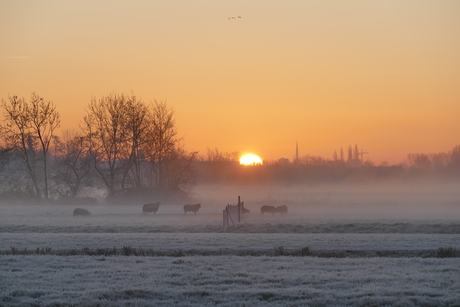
(228, 243)
(227, 281)
(317, 218)
(382, 241)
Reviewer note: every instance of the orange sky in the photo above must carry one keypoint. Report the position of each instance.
(381, 74)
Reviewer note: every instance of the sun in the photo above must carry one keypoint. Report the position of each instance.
(250, 159)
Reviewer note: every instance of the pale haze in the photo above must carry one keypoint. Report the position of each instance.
(251, 76)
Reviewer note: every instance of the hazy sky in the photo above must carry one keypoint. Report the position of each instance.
(381, 74)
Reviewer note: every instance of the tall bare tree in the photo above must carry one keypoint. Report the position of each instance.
(180, 170)
(29, 127)
(106, 129)
(137, 115)
(44, 120)
(162, 140)
(136, 145)
(73, 162)
(16, 133)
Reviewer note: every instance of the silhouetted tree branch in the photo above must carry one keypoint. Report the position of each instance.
(27, 126)
(73, 162)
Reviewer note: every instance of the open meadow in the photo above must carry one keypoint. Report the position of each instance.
(334, 247)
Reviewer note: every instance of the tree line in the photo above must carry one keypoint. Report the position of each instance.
(351, 167)
(123, 143)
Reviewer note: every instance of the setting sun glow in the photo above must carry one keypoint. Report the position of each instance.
(379, 74)
(250, 159)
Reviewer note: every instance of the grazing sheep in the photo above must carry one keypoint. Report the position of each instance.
(282, 209)
(268, 209)
(81, 212)
(246, 210)
(151, 208)
(193, 208)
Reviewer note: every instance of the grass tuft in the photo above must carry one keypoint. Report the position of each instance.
(447, 252)
(303, 252)
(279, 251)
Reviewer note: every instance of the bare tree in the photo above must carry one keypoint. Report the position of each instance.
(17, 133)
(28, 126)
(106, 129)
(136, 146)
(180, 170)
(170, 166)
(313, 160)
(216, 155)
(44, 120)
(73, 162)
(138, 122)
(7, 176)
(160, 146)
(4, 157)
(420, 161)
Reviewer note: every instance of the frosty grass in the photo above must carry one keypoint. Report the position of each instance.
(215, 268)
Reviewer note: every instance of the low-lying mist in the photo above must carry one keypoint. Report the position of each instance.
(390, 200)
(308, 204)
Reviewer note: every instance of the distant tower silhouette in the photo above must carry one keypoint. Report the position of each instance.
(296, 151)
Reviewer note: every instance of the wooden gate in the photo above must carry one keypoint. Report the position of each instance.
(232, 214)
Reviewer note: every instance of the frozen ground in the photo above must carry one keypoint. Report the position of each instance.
(225, 243)
(227, 281)
(237, 268)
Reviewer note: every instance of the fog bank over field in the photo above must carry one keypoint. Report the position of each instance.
(423, 207)
(346, 201)
(390, 200)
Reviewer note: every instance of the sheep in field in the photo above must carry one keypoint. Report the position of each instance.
(192, 207)
(151, 208)
(81, 212)
(268, 209)
(272, 209)
(282, 209)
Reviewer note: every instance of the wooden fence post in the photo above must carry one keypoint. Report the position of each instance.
(225, 217)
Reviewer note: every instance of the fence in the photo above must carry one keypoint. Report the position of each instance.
(232, 215)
